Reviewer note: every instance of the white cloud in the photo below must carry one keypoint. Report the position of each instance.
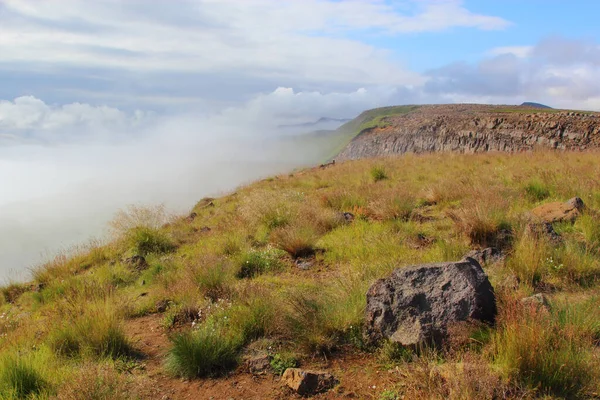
(261, 38)
(560, 72)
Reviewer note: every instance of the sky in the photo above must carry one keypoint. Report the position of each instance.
(112, 102)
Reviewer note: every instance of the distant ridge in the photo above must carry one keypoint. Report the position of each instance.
(535, 105)
(467, 128)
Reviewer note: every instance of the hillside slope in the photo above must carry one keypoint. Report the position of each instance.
(180, 308)
(469, 128)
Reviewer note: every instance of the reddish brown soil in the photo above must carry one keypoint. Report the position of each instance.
(359, 375)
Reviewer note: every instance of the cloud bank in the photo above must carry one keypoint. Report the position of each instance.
(70, 167)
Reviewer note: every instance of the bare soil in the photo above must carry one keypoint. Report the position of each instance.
(360, 376)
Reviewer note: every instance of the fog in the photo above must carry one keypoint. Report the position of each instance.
(60, 192)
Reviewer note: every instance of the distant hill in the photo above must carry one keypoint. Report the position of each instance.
(534, 105)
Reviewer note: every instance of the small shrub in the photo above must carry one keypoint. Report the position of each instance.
(20, 378)
(208, 351)
(297, 241)
(145, 240)
(378, 173)
(256, 263)
(537, 191)
(282, 361)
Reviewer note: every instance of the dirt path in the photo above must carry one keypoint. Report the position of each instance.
(360, 378)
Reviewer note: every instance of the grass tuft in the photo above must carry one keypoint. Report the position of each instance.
(21, 378)
(208, 351)
(145, 240)
(378, 174)
(297, 241)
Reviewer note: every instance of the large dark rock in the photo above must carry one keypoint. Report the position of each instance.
(417, 304)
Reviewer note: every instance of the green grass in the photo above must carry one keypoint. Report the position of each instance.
(96, 331)
(378, 173)
(536, 190)
(146, 240)
(282, 361)
(21, 377)
(535, 350)
(207, 351)
(258, 262)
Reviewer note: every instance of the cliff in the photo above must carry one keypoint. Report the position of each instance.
(468, 128)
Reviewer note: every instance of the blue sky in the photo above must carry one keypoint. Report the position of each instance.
(168, 56)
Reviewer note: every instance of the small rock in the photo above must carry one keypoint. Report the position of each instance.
(537, 300)
(559, 212)
(162, 305)
(137, 263)
(191, 217)
(205, 229)
(259, 365)
(349, 217)
(307, 383)
(305, 263)
(486, 256)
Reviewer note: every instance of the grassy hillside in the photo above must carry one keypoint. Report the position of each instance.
(276, 267)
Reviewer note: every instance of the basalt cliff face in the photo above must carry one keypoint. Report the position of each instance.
(472, 129)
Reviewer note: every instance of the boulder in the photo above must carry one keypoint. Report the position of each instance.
(307, 383)
(559, 212)
(486, 256)
(417, 304)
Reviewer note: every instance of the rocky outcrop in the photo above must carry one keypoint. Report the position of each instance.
(474, 129)
(418, 304)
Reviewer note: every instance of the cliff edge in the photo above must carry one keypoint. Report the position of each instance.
(467, 128)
